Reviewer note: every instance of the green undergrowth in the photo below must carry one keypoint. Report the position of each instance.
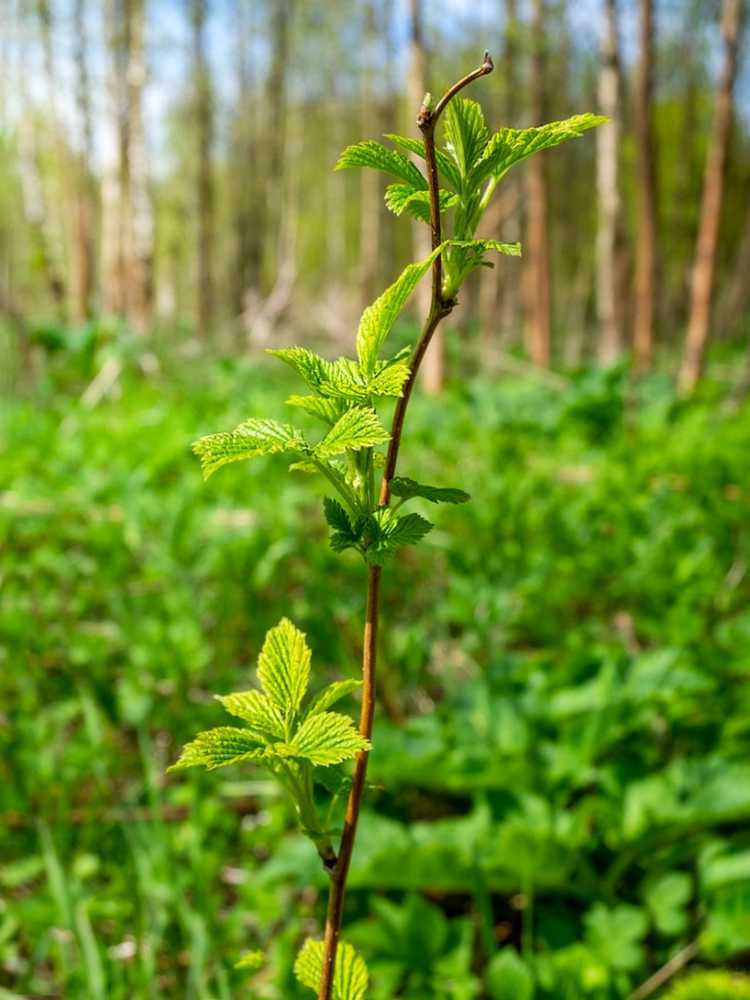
(560, 789)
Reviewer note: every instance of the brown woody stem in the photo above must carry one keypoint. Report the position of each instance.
(439, 309)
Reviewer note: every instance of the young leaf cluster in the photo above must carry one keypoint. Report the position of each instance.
(284, 729)
(471, 163)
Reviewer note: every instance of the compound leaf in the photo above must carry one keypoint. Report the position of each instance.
(446, 166)
(251, 439)
(378, 318)
(330, 695)
(407, 488)
(326, 738)
(284, 666)
(260, 714)
(219, 747)
(350, 978)
(326, 409)
(466, 133)
(310, 366)
(372, 154)
(358, 428)
(511, 145)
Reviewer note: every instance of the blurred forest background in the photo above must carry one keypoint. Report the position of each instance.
(560, 806)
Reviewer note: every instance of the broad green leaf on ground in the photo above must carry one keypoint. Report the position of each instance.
(311, 367)
(284, 666)
(667, 898)
(508, 977)
(219, 747)
(250, 440)
(511, 145)
(407, 488)
(333, 693)
(358, 428)
(326, 738)
(446, 167)
(378, 318)
(372, 154)
(615, 935)
(254, 708)
(466, 133)
(350, 979)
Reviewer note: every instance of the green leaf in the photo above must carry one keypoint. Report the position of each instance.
(249, 440)
(325, 409)
(482, 246)
(401, 197)
(667, 898)
(359, 427)
(614, 935)
(509, 978)
(251, 961)
(310, 366)
(284, 666)
(326, 738)
(408, 530)
(390, 380)
(343, 535)
(333, 693)
(350, 979)
(445, 164)
(371, 154)
(407, 488)
(511, 145)
(255, 708)
(378, 318)
(346, 381)
(466, 133)
(219, 747)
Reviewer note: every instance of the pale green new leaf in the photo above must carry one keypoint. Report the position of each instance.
(345, 381)
(446, 166)
(466, 133)
(310, 366)
(378, 318)
(324, 408)
(511, 145)
(251, 439)
(350, 978)
(359, 427)
(219, 747)
(251, 961)
(390, 380)
(284, 666)
(330, 695)
(261, 715)
(326, 738)
(371, 154)
(481, 247)
(407, 488)
(401, 197)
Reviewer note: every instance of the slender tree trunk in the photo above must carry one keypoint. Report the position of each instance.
(713, 191)
(276, 103)
(608, 143)
(433, 369)
(370, 209)
(85, 256)
(115, 169)
(205, 197)
(645, 266)
(139, 225)
(537, 276)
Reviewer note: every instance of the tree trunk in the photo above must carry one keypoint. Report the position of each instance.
(115, 167)
(139, 226)
(84, 277)
(537, 276)
(645, 267)
(371, 190)
(276, 102)
(205, 180)
(713, 192)
(607, 153)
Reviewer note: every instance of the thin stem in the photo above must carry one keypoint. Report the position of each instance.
(439, 309)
